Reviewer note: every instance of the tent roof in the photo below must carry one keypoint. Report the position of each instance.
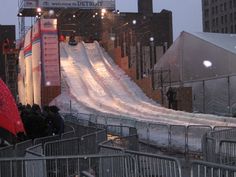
(225, 41)
(187, 55)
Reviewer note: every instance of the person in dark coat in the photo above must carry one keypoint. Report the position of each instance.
(171, 94)
(57, 121)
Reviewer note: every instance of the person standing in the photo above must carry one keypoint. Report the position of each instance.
(171, 97)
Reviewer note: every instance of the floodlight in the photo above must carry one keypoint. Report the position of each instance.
(207, 63)
(39, 9)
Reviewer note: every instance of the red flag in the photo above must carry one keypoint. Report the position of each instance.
(9, 115)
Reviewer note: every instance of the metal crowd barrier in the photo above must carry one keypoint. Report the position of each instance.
(177, 138)
(148, 164)
(21, 147)
(7, 151)
(87, 144)
(208, 169)
(70, 166)
(227, 152)
(156, 165)
(62, 147)
(212, 143)
(34, 151)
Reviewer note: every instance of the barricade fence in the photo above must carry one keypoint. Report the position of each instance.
(34, 151)
(218, 141)
(7, 151)
(184, 139)
(70, 166)
(19, 149)
(148, 164)
(208, 169)
(87, 144)
(43, 140)
(228, 152)
(156, 165)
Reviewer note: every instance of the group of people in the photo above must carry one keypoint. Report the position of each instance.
(40, 123)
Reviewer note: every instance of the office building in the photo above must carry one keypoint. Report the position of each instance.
(219, 16)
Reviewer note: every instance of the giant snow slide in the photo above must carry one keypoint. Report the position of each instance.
(95, 84)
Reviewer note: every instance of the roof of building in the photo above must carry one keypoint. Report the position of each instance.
(225, 41)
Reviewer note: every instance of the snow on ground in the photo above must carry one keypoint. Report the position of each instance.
(94, 84)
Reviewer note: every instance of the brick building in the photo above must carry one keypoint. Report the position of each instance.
(8, 57)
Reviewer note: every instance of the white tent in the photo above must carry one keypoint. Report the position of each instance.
(207, 63)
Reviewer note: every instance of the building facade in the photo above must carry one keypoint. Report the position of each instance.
(219, 16)
(8, 57)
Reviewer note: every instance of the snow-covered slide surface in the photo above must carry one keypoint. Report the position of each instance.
(95, 84)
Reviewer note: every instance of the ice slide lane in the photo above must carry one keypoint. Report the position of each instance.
(198, 118)
(136, 101)
(97, 82)
(87, 93)
(90, 99)
(97, 98)
(181, 116)
(114, 87)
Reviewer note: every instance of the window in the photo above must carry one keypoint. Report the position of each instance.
(226, 30)
(226, 18)
(231, 29)
(231, 17)
(212, 10)
(216, 21)
(206, 3)
(206, 12)
(225, 6)
(221, 7)
(213, 23)
(222, 30)
(207, 25)
(230, 4)
(216, 10)
(222, 20)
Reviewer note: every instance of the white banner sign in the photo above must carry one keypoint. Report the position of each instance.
(81, 4)
(50, 54)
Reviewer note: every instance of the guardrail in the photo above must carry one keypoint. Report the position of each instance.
(148, 164)
(136, 163)
(208, 169)
(178, 138)
(218, 142)
(94, 165)
(7, 151)
(227, 152)
(87, 144)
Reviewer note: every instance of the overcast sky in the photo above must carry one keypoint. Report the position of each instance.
(187, 14)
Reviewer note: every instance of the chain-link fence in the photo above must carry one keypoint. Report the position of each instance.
(213, 96)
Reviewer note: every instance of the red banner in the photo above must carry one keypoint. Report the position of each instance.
(9, 115)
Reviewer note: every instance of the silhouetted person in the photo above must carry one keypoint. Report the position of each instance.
(171, 94)
(57, 121)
